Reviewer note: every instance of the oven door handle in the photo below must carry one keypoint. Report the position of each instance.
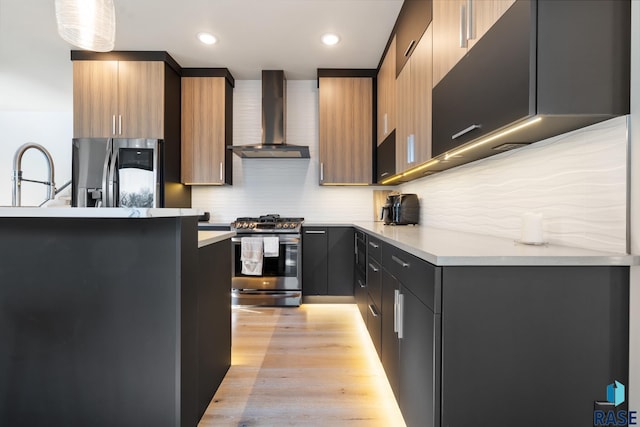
(271, 294)
(283, 240)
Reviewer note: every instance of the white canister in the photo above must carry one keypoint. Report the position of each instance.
(531, 231)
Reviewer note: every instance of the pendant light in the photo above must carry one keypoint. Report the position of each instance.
(87, 24)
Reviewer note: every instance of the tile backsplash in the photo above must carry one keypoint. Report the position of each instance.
(578, 181)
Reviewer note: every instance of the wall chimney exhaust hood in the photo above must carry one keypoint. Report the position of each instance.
(274, 123)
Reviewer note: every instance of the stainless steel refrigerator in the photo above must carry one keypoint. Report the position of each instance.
(117, 172)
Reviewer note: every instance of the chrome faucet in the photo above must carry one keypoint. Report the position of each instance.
(17, 173)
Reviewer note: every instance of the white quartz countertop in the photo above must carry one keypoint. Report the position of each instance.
(207, 237)
(24, 212)
(449, 248)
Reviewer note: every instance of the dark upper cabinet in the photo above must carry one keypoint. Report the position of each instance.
(328, 261)
(413, 20)
(550, 66)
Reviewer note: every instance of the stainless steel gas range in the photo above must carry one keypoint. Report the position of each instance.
(267, 257)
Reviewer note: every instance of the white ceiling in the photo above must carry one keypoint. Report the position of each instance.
(253, 34)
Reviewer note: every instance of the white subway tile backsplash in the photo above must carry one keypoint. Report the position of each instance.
(577, 181)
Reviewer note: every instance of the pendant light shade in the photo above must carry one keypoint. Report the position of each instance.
(87, 24)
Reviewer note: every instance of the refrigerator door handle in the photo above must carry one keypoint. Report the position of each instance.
(104, 200)
(115, 151)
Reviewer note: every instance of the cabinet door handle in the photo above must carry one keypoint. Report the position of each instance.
(362, 284)
(408, 51)
(119, 124)
(465, 131)
(386, 124)
(411, 148)
(396, 297)
(221, 173)
(373, 311)
(373, 267)
(384, 174)
(470, 26)
(463, 26)
(399, 261)
(113, 124)
(374, 245)
(400, 316)
(314, 231)
(321, 171)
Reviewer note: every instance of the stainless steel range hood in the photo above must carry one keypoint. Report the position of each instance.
(274, 123)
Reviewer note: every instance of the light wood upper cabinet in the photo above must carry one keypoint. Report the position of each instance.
(95, 98)
(141, 99)
(413, 133)
(122, 99)
(386, 82)
(204, 113)
(346, 134)
(457, 26)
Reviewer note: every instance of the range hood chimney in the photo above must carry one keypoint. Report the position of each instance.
(274, 123)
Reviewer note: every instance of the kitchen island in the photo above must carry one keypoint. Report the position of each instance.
(111, 316)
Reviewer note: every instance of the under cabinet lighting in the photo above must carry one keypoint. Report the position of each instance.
(410, 171)
(492, 138)
(207, 38)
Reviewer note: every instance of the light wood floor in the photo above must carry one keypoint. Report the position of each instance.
(308, 366)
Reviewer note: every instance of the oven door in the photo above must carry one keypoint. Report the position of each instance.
(278, 273)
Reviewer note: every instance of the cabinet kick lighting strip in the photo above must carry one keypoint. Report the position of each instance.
(492, 138)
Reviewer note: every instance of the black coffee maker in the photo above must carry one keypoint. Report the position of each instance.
(387, 213)
(401, 209)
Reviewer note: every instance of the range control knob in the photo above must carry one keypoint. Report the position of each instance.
(252, 225)
(278, 225)
(244, 225)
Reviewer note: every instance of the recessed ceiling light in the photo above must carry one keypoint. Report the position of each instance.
(207, 38)
(330, 39)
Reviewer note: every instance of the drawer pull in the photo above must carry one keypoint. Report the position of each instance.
(373, 267)
(374, 245)
(465, 131)
(362, 284)
(408, 51)
(399, 261)
(314, 231)
(373, 311)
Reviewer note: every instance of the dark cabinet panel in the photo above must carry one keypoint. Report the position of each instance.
(419, 363)
(374, 281)
(540, 59)
(513, 331)
(386, 158)
(490, 87)
(374, 325)
(413, 20)
(328, 261)
(390, 343)
(315, 261)
(361, 294)
(340, 261)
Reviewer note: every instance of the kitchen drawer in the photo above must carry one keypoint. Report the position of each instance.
(374, 249)
(374, 325)
(374, 281)
(417, 275)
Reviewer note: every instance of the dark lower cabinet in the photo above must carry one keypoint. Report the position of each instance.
(315, 262)
(328, 261)
(419, 363)
(540, 341)
(391, 348)
(500, 345)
